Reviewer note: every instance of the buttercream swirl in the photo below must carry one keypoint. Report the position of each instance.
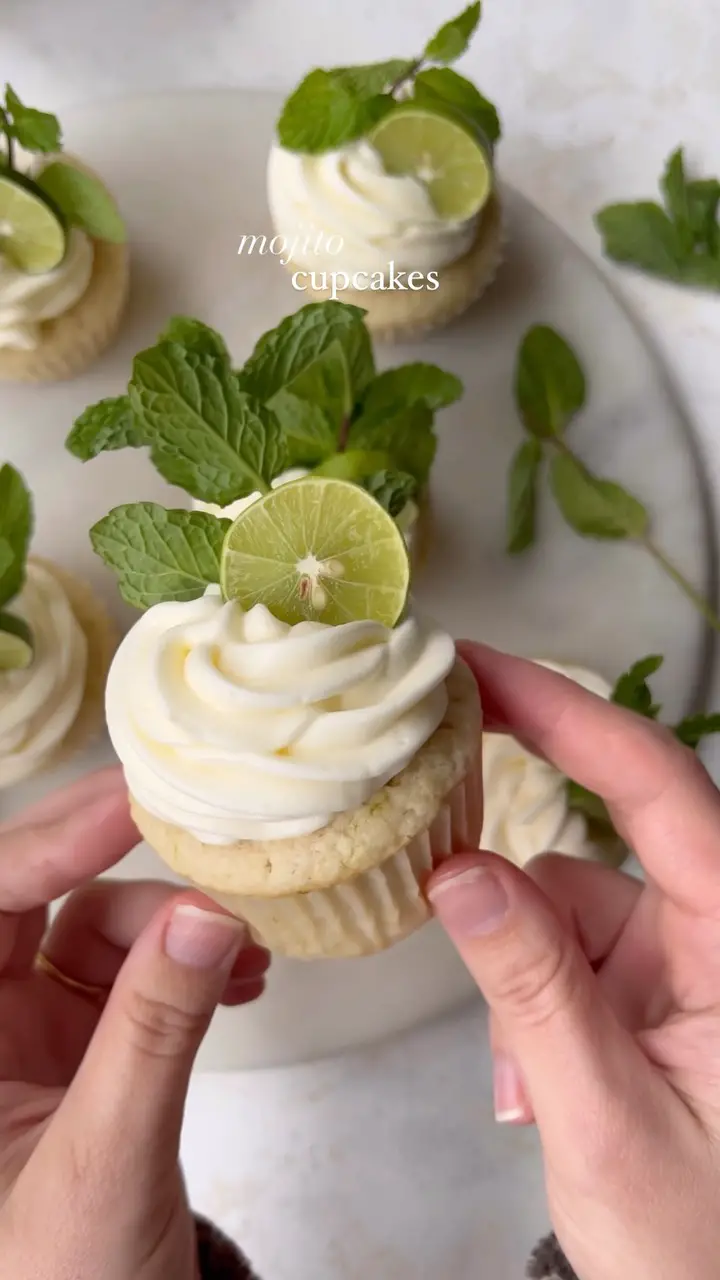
(526, 808)
(38, 706)
(26, 301)
(379, 218)
(235, 726)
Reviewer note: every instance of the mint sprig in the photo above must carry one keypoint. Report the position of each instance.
(108, 425)
(16, 524)
(633, 692)
(550, 390)
(677, 240)
(331, 108)
(160, 555)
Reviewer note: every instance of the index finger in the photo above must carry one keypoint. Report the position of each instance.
(657, 791)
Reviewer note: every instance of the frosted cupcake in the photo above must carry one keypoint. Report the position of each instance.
(295, 744)
(382, 189)
(63, 257)
(56, 643)
(308, 401)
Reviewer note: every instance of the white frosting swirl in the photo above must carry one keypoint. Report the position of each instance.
(405, 521)
(38, 706)
(28, 300)
(526, 809)
(379, 218)
(235, 726)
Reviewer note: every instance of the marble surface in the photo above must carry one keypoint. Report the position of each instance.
(379, 1156)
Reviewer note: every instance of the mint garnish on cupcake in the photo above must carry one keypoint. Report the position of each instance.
(331, 108)
(16, 520)
(309, 396)
(39, 206)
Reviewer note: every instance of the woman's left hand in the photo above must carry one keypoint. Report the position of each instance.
(97, 1042)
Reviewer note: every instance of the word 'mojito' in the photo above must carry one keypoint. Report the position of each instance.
(284, 249)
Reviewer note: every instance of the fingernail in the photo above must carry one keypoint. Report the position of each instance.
(203, 939)
(471, 903)
(511, 1103)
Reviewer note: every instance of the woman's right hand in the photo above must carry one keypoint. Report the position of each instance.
(605, 993)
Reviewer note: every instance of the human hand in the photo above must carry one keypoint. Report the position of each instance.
(604, 992)
(93, 1080)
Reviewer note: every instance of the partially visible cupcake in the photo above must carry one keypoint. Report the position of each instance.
(294, 743)
(56, 643)
(382, 189)
(63, 257)
(308, 401)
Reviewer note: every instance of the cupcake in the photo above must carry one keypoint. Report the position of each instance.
(382, 190)
(63, 257)
(308, 401)
(56, 643)
(296, 743)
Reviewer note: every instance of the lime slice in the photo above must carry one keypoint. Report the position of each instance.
(16, 649)
(31, 234)
(318, 549)
(439, 152)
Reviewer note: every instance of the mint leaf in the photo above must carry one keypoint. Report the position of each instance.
(109, 424)
(674, 187)
(410, 384)
(194, 336)
(451, 41)
(549, 382)
(392, 489)
(325, 383)
(587, 802)
(159, 554)
(327, 110)
(703, 199)
(84, 201)
(16, 521)
(407, 436)
(595, 508)
(632, 690)
(283, 357)
(693, 729)
(442, 85)
(205, 434)
(642, 235)
(34, 130)
(522, 496)
(353, 464)
(373, 77)
(308, 434)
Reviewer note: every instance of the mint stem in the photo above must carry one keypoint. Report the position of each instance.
(698, 599)
(10, 151)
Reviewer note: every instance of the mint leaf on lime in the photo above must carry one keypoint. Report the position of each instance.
(409, 384)
(160, 555)
(406, 435)
(392, 489)
(284, 356)
(632, 690)
(522, 496)
(353, 464)
(549, 382)
(194, 336)
(205, 434)
(34, 130)
(83, 200)
(453, 38)
(693, 729)
(592, 507)
(109, 424)
(327, 110)
(16, 522)
(446, 89)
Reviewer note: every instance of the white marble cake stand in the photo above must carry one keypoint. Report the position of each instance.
(189, 172)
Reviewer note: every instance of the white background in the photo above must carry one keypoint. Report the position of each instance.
(593, 98)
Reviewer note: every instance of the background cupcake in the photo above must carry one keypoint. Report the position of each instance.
(63, 257)
(56, 643)
(382, 190)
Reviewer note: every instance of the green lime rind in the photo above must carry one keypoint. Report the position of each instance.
(16, 644)
(318, 549)
(32, 236)
(441, 151)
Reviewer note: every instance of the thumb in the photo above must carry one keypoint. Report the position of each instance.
(127, 1099)
(569, 1049)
